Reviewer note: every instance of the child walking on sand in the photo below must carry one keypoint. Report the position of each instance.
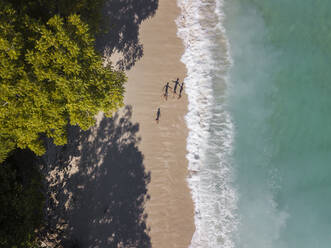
(181, 90)
(158, 114)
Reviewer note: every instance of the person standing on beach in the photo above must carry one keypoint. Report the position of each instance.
(176, 84)
(181, 90)
(158, 114)
(166, 88)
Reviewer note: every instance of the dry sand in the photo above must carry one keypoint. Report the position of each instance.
(170, 209)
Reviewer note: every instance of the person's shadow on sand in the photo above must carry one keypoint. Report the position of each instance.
(108, 192)
(120, 33)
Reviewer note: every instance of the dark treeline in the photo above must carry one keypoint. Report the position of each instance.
(51, 77)
(21, 200)
(89, 10)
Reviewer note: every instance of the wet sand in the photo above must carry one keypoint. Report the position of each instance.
(163, 145)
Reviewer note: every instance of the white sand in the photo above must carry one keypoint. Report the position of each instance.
(170, 209)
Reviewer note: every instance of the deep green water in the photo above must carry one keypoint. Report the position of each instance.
(280, 103)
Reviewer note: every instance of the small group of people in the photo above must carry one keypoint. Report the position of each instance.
(165, 94)
(167, 86)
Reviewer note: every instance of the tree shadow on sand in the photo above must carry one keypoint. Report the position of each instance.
(122, 19)
(97, 193)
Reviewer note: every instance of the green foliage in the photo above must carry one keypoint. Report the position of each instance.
(50, 76)
(89, 10)
(21, 200)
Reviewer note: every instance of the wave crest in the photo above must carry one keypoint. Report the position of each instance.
(209, 143)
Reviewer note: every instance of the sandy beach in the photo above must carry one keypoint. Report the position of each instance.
(122, 183)
(163, 145)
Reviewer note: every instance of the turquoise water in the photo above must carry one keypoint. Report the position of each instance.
(280, 103)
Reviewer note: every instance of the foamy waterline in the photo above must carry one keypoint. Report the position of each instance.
(209, 143)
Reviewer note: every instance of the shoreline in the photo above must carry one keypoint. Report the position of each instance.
(170, 208)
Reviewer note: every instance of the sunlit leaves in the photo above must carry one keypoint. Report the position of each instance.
(50, 76)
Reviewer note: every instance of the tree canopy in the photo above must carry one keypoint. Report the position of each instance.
(21, 200)
(50, 76)
(89, 10)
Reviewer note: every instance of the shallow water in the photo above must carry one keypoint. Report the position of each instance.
(280, 103)
(209, 142)
(259, 120)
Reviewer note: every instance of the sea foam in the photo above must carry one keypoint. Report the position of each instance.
(209, 143)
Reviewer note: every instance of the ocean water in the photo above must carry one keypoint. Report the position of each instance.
(259, 146)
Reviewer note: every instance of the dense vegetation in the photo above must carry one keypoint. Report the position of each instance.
(43, 10)
(21, 200)
(50, 77)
